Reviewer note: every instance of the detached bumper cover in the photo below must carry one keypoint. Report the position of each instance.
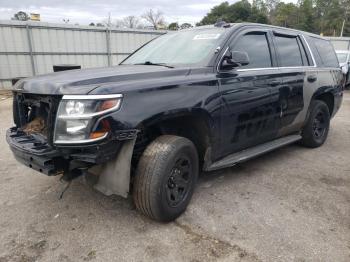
(34, 151)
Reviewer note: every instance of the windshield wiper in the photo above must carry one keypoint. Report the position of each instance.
(154, 64)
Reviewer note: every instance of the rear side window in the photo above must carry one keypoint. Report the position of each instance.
(289, 51)
(326, 52)
(257, 48)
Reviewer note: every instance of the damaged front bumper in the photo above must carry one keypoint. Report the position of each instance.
(35, 152)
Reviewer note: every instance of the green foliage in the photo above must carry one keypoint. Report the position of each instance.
(286, 15)
(21, 16)
(185, 26)
(238, 12)
(173, 26)
(318, 16)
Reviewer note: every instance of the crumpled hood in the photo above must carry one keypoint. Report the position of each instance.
(86, 80)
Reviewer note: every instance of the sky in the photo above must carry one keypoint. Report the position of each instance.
(86, 11)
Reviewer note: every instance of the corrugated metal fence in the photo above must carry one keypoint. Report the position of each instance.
(32, 48)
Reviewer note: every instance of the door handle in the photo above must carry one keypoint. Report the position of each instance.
(312, 78)
(275, 83)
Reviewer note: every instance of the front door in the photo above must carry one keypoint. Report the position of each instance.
(248, 114)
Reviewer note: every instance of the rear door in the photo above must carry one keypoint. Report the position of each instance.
(247, 117)
(297, 73)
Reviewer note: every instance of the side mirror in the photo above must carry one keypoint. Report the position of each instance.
(345, 69)
(234, 59)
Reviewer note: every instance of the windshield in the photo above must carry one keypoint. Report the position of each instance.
(180, 48)
(342, 57)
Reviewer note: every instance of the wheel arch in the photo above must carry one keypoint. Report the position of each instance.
(327, 97)
(193, 124)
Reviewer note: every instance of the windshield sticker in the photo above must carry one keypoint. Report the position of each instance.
(206, 36)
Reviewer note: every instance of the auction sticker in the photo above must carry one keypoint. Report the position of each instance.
(206, 36)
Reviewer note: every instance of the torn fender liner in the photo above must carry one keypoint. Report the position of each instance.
(114, 176)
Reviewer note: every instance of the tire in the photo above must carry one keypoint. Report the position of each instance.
(15, 111)
(165, 178)
(315, 131)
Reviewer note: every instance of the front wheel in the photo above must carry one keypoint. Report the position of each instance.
(165, 178)
(316, 129)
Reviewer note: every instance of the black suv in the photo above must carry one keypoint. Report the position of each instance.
(191, 100)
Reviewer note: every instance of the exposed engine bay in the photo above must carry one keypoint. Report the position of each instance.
(35, 114)
(35, 126)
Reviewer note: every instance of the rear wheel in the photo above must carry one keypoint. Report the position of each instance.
(165, 178)
(316, 129)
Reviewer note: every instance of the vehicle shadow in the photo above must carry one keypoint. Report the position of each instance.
(81, 191)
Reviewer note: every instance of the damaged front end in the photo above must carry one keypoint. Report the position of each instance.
(31, 139)
(71, 135)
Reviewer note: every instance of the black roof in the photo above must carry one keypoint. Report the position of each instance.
(234, 26)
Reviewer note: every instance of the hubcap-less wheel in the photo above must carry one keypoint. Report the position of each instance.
(179, 182)
(319, 125)
(165, 177)
(315, 131)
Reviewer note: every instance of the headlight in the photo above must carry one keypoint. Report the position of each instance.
(76, 115)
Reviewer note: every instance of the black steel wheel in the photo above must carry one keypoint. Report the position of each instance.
(320, 125)
(165, 178)
(316, 129)
(179, 181)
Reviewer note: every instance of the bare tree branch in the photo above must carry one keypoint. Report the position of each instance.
(155, 18)
(131, 21)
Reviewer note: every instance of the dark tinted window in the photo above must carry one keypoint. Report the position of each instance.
(289, 51)
(257, 48)
(326, 52)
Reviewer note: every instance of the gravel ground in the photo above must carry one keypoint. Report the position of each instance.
(289, 205)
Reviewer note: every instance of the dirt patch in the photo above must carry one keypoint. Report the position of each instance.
(24, 251)
(214, 247)
(335, 181)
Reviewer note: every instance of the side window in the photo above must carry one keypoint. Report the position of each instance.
(257, 48)
(288, 49)
(326, 52)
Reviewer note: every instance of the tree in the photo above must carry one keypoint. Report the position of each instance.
(271, 8)
(155, 18)
(21, 16)
(100, 25)
(173, 26)
(130, 21)
(241, 11)
(330, 16)
(306, 16)
(259, 12)
(317, 16)
(286, 15)
(220, 11)
(92, 24)
(346, 17)
(186, 25)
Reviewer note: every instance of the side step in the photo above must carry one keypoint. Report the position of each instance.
(249, 153)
